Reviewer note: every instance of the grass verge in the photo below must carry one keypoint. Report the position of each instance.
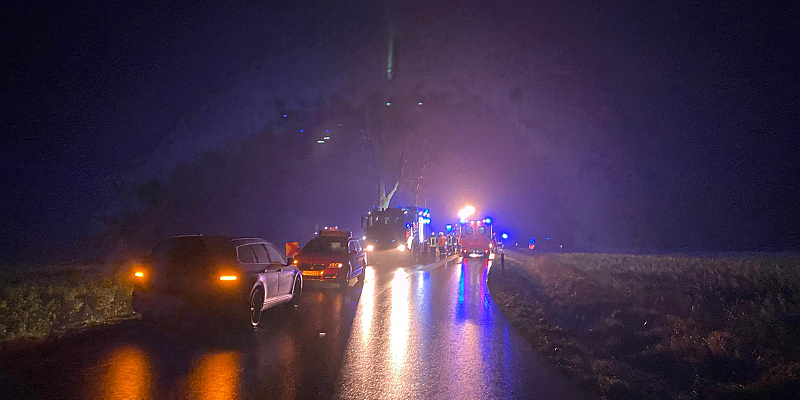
(661, 327)
(44, 302)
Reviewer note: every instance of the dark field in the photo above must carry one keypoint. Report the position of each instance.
(661, 327)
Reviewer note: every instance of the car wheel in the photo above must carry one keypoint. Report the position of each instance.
(256, 304)
(297, 289)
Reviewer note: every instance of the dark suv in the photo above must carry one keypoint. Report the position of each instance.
(217, 274)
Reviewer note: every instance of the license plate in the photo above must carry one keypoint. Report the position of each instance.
(312, 273)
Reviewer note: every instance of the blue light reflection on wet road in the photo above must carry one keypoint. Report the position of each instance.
(441, 337)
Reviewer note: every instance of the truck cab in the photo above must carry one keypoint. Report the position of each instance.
(400, 231)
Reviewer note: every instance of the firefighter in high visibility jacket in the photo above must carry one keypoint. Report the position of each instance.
(451, 244)
(432, 242)
(442, 244)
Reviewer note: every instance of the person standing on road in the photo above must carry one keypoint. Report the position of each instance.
(442, 244)
(451, 243)
(432, 244)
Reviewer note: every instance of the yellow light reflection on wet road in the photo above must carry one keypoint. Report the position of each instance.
(216, 377)
(399, 318)
(128, 376)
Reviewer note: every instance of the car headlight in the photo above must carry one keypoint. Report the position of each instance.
(370, 247)
(335, 265)
(402, 247)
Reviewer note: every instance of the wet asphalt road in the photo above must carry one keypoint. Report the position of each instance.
(418, 332)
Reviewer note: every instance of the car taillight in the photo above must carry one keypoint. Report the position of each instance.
(335, 265)
(228, 277)
(138, 274)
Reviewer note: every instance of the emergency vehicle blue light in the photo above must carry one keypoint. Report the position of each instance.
(547, 238)
(504, 236)
(327, 130)
(302, 130)
(426, 211)
(449, 227)
(285, 116)
(488, 220)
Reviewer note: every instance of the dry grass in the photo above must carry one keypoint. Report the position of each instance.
(661, 326)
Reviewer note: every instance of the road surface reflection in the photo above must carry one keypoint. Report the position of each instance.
(407, 332)
(127, 376)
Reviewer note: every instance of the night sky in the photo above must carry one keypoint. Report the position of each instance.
(606, 125)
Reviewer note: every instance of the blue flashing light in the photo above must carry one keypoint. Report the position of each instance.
(327, 130)
(504, 236)
(449, 227)
(426, 211)
(302, 130)
(547, 238)
(285, 115)
(488, 220)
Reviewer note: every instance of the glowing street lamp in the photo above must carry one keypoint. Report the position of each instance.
(465, 212)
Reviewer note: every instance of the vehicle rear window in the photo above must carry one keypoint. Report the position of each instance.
(261, 253)
(324, 245)
(180, 254)
(482, 230)
(246, 254)
(468, 230)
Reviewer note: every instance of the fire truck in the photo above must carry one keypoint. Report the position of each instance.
(400, 230)
(476, 237)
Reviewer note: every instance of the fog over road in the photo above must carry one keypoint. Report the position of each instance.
(419, 332)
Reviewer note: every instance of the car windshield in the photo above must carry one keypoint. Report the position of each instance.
(322, 245)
